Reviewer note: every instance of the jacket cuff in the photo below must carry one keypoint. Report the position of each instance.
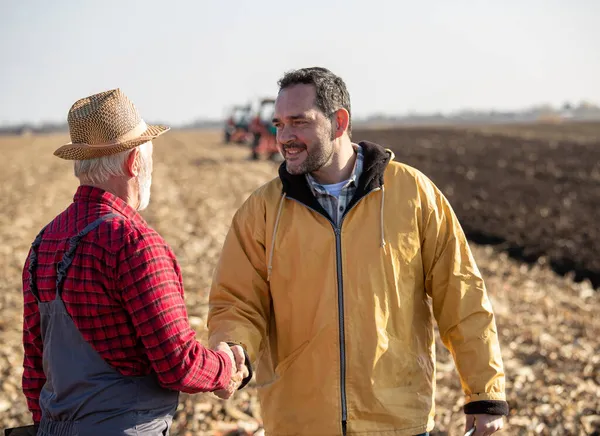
(247, 363)
(488, 407)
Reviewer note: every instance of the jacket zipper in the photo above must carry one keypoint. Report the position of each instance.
(338, 254)
(337, 230)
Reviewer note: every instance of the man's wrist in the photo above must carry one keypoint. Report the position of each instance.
(226, 369)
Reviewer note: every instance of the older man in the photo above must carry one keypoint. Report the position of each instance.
(107, 342)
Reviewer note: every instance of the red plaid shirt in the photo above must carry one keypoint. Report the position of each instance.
(124, 292)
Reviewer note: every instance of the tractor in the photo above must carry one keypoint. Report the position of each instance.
(264, 143)
(237, 126)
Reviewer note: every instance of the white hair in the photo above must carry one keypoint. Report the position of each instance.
(100, 169)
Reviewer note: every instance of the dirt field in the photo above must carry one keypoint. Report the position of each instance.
(577, 131)
(534, 190)
(548, 324)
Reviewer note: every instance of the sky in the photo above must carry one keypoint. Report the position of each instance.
(180, 61)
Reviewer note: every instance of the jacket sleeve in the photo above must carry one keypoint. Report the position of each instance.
(239, 300)
(461, 305)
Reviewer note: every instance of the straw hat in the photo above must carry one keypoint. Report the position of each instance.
(104, 124)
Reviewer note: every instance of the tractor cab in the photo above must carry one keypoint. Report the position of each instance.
(262, 120)
(264, 132)
(237, 125)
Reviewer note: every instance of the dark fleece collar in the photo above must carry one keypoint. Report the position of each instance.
(376, 159)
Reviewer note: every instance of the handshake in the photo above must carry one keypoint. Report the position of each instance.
(239, 370)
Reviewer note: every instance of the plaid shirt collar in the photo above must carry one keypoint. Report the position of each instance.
(91, 194)
(336, 207)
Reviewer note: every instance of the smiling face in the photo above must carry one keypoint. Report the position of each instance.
(304, 133)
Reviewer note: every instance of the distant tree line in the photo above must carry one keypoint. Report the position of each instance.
(45, 128)
(582, 111)
(25, 129)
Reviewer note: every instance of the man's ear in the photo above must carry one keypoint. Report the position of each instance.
(132, 164)
(341, 119)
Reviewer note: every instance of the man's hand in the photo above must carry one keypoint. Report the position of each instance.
(240, 360)
(239, 371)
(485, 424)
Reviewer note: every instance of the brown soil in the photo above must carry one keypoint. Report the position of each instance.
(535, 198)
(548, 324)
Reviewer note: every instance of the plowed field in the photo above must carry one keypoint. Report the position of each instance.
(504, 190)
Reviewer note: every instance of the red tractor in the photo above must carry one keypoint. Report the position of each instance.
(237, 126)
(264, 143)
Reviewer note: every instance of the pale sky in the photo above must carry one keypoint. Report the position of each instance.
(183, 60)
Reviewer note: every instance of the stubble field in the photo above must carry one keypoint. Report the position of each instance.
(548, 324)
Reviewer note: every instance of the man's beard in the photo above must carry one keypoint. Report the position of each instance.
(314, 161)
(320, 155)
(144, 181)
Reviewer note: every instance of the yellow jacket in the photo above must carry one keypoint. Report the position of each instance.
(340, 320)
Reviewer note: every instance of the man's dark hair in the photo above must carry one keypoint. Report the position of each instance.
(331, 90)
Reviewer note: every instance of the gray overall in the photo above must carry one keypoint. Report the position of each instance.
(83, 394)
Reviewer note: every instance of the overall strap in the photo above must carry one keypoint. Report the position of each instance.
(63, 265)
(31, 268)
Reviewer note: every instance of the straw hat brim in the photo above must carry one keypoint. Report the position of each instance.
(82, 151)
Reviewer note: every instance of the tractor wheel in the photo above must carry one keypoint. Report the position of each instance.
(255, 141)
(254, 147)
(276, 157)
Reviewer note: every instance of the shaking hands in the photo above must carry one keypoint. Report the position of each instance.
(239, 370)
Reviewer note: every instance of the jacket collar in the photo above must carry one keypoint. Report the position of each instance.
(376, 159)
